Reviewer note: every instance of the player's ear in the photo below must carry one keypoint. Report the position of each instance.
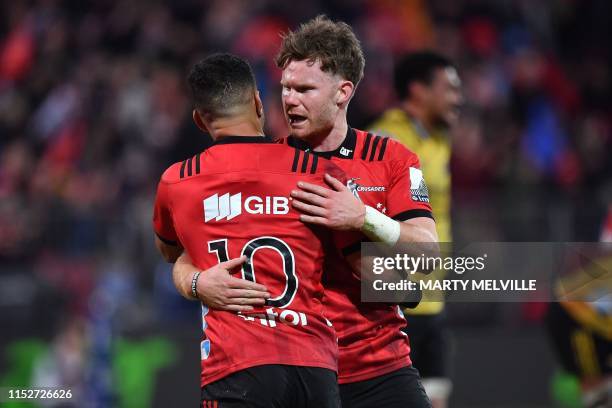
(199, 121)
(258, 104)
(259, 109)
(345, 93)
(418, 90)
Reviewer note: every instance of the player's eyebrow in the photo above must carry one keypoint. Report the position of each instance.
(304, 83)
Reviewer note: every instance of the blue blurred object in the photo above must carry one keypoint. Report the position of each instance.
(544, 140)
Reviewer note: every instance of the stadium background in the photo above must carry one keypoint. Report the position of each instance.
(93, 106)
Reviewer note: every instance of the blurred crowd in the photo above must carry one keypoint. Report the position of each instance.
(94, 105)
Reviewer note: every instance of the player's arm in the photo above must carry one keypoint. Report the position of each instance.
(358, 263)
(170, 251)
(337, 208)
(166, 238)
(216, 287)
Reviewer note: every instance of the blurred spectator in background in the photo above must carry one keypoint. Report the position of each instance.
(64, 366)
(429, 90)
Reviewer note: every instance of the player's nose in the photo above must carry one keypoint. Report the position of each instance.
(289, 98)
(457, 99)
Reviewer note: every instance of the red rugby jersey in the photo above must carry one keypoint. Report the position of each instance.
(386, 176)
(233, 199)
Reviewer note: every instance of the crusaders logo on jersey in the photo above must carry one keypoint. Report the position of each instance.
(355, 188)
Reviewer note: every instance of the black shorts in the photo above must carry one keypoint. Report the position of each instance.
(398, 389)
(274, 386)
(581, 351)
(429, 346)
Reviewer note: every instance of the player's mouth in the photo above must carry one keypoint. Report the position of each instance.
(296, 120)
(454, 112)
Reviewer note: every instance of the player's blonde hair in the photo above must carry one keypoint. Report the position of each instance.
(333, 43)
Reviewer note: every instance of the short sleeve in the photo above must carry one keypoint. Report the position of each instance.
(163, 224)
(408, 196)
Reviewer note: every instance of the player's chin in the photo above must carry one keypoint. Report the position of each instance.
(299, 131)
(450, 120)
(452, 116)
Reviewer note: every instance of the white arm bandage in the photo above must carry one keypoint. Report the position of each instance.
(378, 227)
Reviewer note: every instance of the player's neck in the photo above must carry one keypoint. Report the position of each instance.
(235, 127)
(419, 113)
(330, 141)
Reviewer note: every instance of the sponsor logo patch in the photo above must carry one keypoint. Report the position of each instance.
(229, 206)
(418, 188)
(344, 151)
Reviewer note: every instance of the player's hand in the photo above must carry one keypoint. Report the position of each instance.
(218, 289)
(335, 208)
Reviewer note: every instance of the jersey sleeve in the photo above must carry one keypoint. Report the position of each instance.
(408, 196)
(163, 224)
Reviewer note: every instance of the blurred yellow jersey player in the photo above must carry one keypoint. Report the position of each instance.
(434, 151)
(580, 323)
(429, 91)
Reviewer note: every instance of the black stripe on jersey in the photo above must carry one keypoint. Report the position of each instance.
(166, 241)
(381, 154)
(189, 166)
(315, 160)
(182, 174)
(242, 140)
(354, 247)
(406, 215)
(305, 162)
(296, 159)
(366, 146)
(374, 146)
(197, 164)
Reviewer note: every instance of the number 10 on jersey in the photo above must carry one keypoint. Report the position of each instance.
(219, 247)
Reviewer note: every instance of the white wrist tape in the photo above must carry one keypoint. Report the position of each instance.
(378, 227)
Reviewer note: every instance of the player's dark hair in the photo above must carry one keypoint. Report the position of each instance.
(221, 82)
(417, 67)
(333, 43)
